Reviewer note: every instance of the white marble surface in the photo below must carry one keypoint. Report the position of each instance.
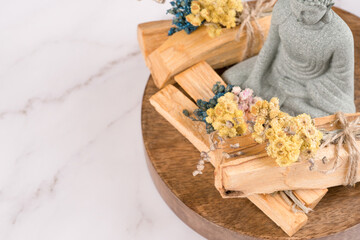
(72, 164)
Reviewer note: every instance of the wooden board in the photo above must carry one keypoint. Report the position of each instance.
(197, 202)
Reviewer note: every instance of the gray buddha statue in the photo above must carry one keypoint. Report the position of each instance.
(307, 60)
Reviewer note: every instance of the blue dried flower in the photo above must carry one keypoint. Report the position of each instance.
(200, 113)
(229, 88)
(180, 9)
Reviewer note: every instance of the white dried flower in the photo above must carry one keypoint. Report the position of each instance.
(237, 145)
(239, 153)
(200, 167)
(236, 90)
(226, 155)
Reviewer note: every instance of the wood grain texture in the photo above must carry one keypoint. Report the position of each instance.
(198, 80)
(151, 35)
(170, 102)
(172, 158)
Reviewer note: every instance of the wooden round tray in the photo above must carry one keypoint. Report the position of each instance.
(171, 159)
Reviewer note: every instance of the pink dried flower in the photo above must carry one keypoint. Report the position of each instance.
(245, 98)
(246, 93)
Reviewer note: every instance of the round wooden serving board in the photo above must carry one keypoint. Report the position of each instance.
(171, 159)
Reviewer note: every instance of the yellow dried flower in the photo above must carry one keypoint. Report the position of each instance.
(218, 13)
(195, 7)
(205, 14)
(258, 128)
(226, 118)
(261, 120)
(214, 30)
(194, 20)
(288, 137)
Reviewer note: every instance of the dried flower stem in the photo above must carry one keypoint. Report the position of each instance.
(297, 203)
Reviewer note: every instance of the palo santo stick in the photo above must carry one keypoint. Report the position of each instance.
(311, 197)
(263, 175)
(151, 35)
(198, 80)
(181, 51)
(280, 211)
(170, 102)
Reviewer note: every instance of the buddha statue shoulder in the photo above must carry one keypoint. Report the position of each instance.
(307, 60)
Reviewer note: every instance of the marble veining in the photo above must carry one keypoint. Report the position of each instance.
(71, 83)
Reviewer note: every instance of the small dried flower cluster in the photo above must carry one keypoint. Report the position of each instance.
(288, 137)
(226, 117)
(245, 98)
(204, 157)
(217, 14)
(201, 113)
(180, 9)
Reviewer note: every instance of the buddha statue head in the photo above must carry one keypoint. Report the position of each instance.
(310, 12)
